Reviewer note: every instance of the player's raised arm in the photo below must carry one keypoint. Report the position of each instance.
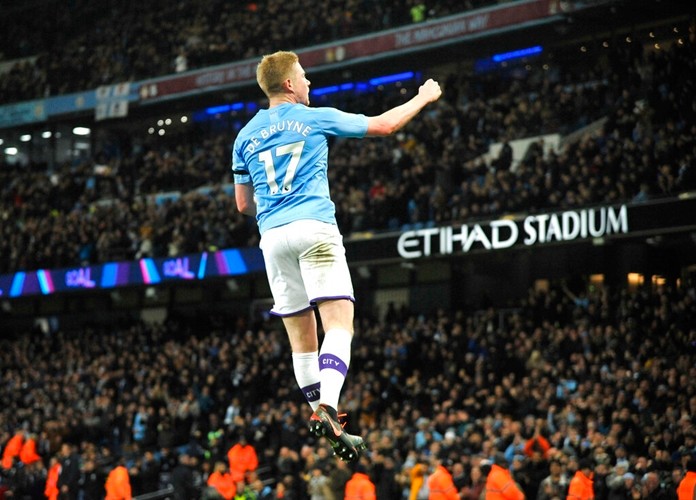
(390, 121)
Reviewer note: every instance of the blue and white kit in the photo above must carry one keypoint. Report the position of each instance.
(283, 152)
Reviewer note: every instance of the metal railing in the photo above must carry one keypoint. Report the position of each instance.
(163, 493)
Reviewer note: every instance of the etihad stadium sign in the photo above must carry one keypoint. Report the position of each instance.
(508, 232)
(600, 224)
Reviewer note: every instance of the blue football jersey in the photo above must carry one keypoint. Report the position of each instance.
(283, 151)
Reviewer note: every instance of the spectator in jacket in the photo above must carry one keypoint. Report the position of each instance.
(318, 484)
(340, 475)
(619, 481)
(555, 485)
(69, 480)
(183, 479)
(92, 481)
(474, 487)
(650, 487)
(417, 476)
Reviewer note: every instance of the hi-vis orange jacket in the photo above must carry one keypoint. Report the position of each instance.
(687, 487)
(12, 449)
(359, 487)
(118, 484)
(223, 484)
(501, 486)
(51, 490)
(441, 486)
(242, 459)
(28, 453)
(580, 487)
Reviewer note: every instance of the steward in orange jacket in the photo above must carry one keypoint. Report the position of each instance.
(501, 486)
(441, 485)
(222, 482)
(28, 453)
(51, 490)
(242, 458)
(118, 484)
(12, 449)
(360, 487)
(687, 486)
(581, 486)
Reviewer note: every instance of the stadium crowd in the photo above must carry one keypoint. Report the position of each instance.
(434, 171)
(609, 378)
(113, 42)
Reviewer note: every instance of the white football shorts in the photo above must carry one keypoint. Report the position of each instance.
(305, 263)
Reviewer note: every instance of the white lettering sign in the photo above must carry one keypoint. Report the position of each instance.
(505, 233)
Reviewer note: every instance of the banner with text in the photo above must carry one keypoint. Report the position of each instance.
(449, 29)
(570, 226)
(112, 101)
(230, 262)
(22, 113)
(603, 223)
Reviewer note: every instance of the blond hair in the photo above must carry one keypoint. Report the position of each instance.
(273, 70)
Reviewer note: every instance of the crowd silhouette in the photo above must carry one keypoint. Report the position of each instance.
(557, 380)
(116, 42)
(548, 386)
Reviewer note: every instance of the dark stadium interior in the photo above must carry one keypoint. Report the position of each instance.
(503, 293)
